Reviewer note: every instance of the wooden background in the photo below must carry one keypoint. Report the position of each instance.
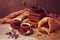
(8, 6)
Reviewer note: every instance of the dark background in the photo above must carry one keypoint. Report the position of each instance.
(8, 6)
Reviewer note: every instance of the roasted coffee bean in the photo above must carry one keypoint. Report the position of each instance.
(12, 35)
(16, 36)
